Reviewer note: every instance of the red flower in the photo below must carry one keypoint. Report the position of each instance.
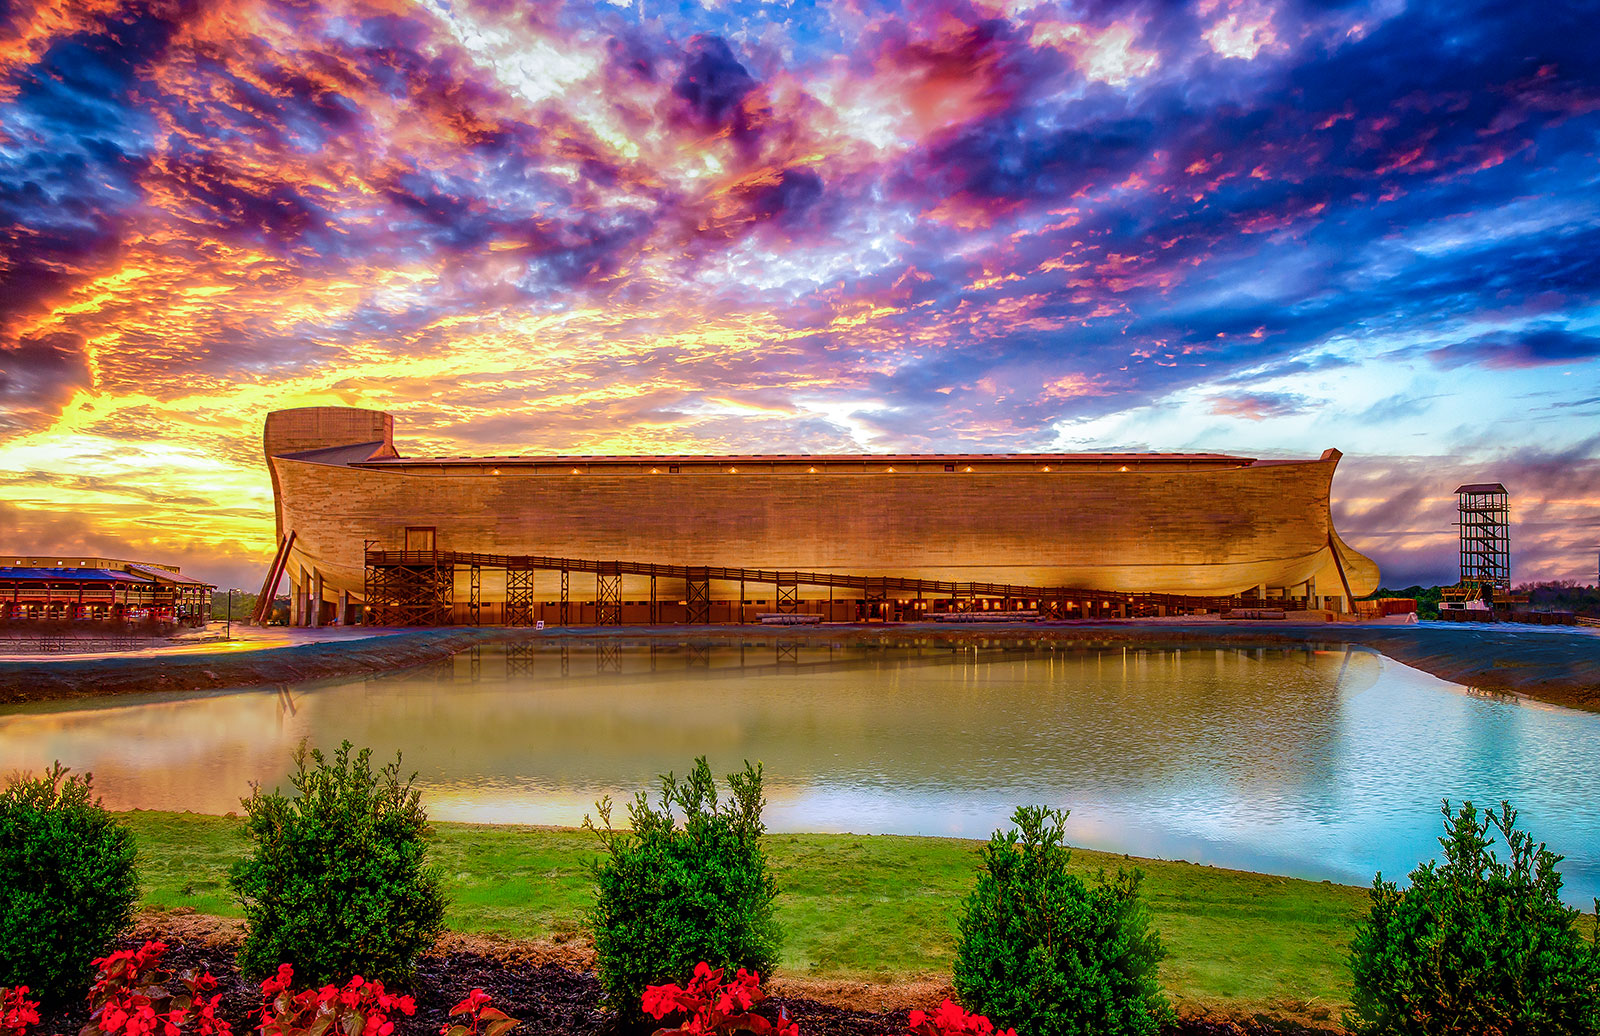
(951, 1020)
(279, 982)
(131, 997)
(361, 1006)
(17, 1012)
(476, 1008)
(714, 1008)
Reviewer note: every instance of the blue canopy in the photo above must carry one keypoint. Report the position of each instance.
(69, 575)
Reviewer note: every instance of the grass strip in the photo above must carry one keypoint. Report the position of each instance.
(866, 907)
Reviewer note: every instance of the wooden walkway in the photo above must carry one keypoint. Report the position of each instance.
(416, 587)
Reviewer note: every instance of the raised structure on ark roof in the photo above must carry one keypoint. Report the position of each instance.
(671, 538)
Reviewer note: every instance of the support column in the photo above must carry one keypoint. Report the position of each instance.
(343, 618)
(295, 601)
(520, 597)
(697, 588)
(316, 598)
(1349, 599)
(608, 596)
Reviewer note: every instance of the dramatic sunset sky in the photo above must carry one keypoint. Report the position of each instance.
(1248, 226)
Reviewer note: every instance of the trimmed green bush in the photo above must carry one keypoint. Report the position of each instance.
(67, 882)
(1043, 953)
(338, 883)
(668, 897)
(1477, 944)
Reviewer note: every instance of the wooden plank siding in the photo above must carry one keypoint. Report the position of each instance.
(1203, 525)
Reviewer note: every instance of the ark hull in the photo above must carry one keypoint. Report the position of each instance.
(1183, 524)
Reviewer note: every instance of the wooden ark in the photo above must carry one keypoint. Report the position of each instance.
(1194, 524)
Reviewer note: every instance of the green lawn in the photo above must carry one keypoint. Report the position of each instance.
(864, 907)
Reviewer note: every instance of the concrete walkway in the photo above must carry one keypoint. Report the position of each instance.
(214, 641)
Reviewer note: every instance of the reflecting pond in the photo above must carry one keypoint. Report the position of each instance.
(1318, 763)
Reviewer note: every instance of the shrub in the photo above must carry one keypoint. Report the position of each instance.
(1045, 954)
(69, 884)
(714, 1009)
(668, 898)
(130, 997)
(359, 1008)
(1477, 944)
(338, 882)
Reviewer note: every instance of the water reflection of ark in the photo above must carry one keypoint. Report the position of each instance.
(604, 714)
(1328, 763)
(930, 720)
(568, 658)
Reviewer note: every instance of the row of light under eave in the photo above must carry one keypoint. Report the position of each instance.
(812, 471)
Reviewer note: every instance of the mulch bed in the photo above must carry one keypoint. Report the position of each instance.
(550, 1000)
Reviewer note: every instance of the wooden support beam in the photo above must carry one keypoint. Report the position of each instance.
(1338, 564)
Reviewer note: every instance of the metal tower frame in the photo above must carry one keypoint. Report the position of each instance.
(1485, 521)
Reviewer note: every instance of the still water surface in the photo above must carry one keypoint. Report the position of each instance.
(1323, 764)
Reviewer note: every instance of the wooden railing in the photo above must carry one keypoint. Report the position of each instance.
(879, 585)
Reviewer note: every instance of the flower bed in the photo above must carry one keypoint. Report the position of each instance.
(548, 999)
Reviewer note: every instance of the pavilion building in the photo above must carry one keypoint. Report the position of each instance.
(56, 588)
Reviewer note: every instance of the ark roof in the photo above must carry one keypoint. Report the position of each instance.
(827, 458)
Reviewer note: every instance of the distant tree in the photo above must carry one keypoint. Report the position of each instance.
(1563, 595)
(244, 604)
(1427, 598)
